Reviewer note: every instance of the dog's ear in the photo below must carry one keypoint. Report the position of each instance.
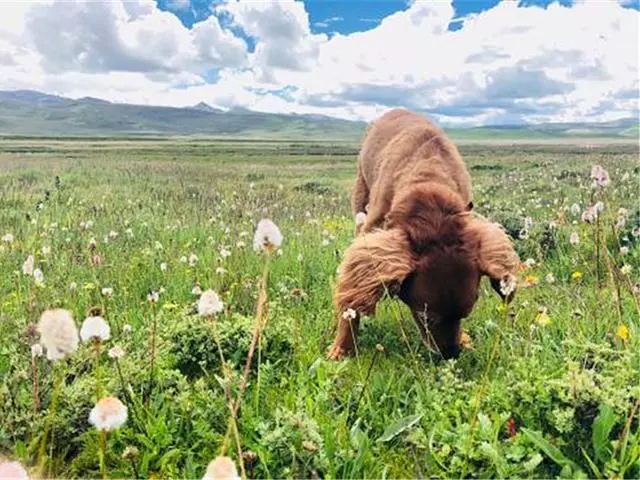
(495, 256)
(375, 262)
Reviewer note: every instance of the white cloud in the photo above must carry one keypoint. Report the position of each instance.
(509, 63)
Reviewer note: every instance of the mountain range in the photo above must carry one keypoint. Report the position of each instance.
(27, 112)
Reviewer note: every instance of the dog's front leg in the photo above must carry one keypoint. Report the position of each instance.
(345, 341)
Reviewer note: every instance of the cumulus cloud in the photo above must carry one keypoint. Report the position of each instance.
(281, 30)
(509, 63)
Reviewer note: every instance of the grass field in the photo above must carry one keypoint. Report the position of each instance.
(549, 386)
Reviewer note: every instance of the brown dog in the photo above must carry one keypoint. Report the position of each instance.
(419, 238)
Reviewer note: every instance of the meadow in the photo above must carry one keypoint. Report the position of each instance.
(132, 231)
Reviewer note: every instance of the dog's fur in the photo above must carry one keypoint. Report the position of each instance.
(420, 239)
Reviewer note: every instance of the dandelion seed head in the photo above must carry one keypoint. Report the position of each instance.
(153, 297)
(267, 236)
(574, 238)
(116, 352)
(58, 333)
(12, 471)
(221, 468)
(38, 276)
(209, 304)
(508, 285)
(107, 292)
(349, 314)
(28, 265)
(108, 414)
(36, 350)
(95, 328)
(575, 209)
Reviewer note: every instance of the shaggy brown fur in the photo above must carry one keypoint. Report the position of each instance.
(419, 238)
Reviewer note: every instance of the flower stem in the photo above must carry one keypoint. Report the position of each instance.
(35, 386)
(153, 356)
(103, 453)
(96, 345)
(57, 380)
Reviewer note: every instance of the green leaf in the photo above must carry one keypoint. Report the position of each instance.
(549, 450)
(601, 429)
(400, 426)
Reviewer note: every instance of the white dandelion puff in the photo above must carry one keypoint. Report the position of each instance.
(574, 238)
(508, 285)
(108, 414)
(116, 353)
(221, 468)
(36, 350)
(95, 328)
(267, 236)
(28, 265)
(58, 333)
(209, 304)
(38, 276)
(12, 471)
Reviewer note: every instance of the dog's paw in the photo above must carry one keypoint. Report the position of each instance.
(336, 353)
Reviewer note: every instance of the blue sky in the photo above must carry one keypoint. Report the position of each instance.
(463, 62)
(328, 16)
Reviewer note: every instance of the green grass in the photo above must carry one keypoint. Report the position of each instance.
(529, 400)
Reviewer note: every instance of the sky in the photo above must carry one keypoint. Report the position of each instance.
(462, 62)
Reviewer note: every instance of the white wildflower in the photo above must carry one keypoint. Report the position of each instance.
(116, 352)
(7, 238)
(193, 260)
(28, 265)
(574, 238)
(15, 471)
(508, 285)
(625, 269)
(550, 278)
(107, 292)
(38, 276)
(153, 297)
(361, 217)
(349, 314)
(95, 328)
(163, 267)
(58, 333)
(36, 350)
(209, 304)
(575, 209)
(267, 236)
(108, 414)
(221, 468)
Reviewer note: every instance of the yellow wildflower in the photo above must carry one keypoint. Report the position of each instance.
(577, 275)
(543, 319)
(623, 332)
(531, 280)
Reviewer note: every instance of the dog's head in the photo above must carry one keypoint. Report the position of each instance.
(432, 252)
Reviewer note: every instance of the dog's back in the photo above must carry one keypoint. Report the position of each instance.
(408, 146)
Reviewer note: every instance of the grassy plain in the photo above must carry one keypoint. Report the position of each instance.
(550, 386)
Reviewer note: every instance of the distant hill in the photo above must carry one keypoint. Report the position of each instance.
(26, 112)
